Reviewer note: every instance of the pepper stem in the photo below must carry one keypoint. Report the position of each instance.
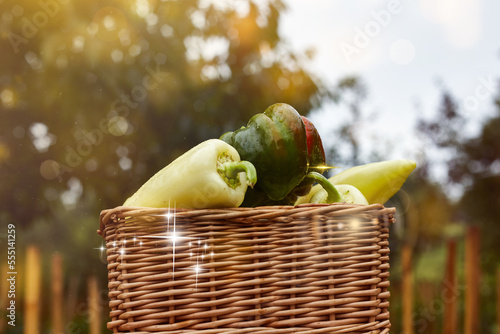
(231, 169)
(333, 194)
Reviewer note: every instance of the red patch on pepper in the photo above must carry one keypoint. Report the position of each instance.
(313, 141)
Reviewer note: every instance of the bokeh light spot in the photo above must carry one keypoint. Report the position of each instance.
(19, 132)
(118, 126)
(107, 23)
(50, 169)
(7, 97)
(78, 43)
(4, 152)
(117, 55)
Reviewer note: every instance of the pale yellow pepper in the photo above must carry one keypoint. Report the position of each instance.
(377, 181)
(210, 175)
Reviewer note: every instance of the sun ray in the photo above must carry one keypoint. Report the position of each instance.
(174, 239)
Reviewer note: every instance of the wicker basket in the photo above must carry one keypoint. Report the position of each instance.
(308, 269)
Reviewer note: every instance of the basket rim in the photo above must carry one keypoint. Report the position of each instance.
(114, 215)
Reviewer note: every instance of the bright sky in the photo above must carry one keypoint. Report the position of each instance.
(404, 51)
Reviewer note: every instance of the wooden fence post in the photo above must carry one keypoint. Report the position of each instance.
(72, 296)
(32, 281)
(407, 289)
(57, 295)
(472, 275)
(94, 307)
(449, 296)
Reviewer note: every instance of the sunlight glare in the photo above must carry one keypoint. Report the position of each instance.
(355, 223)
(174, 237)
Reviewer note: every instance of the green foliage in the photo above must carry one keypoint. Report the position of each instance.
(114, 91)
(99, 96)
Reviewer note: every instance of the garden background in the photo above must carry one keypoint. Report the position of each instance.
(95, 97)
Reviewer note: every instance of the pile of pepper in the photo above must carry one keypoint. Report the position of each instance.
(274, 160)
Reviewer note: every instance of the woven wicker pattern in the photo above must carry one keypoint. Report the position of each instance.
(309, 269)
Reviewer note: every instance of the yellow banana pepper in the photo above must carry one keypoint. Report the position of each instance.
(377, 181)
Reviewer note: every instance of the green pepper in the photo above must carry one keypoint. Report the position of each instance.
(275, 143)
(210, 175)
(287, 152)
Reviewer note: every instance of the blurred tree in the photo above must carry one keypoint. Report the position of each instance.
(352, 142)
(352, 91)
(473, 164)
(99, 96)
(95, 97)
(478, 166)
